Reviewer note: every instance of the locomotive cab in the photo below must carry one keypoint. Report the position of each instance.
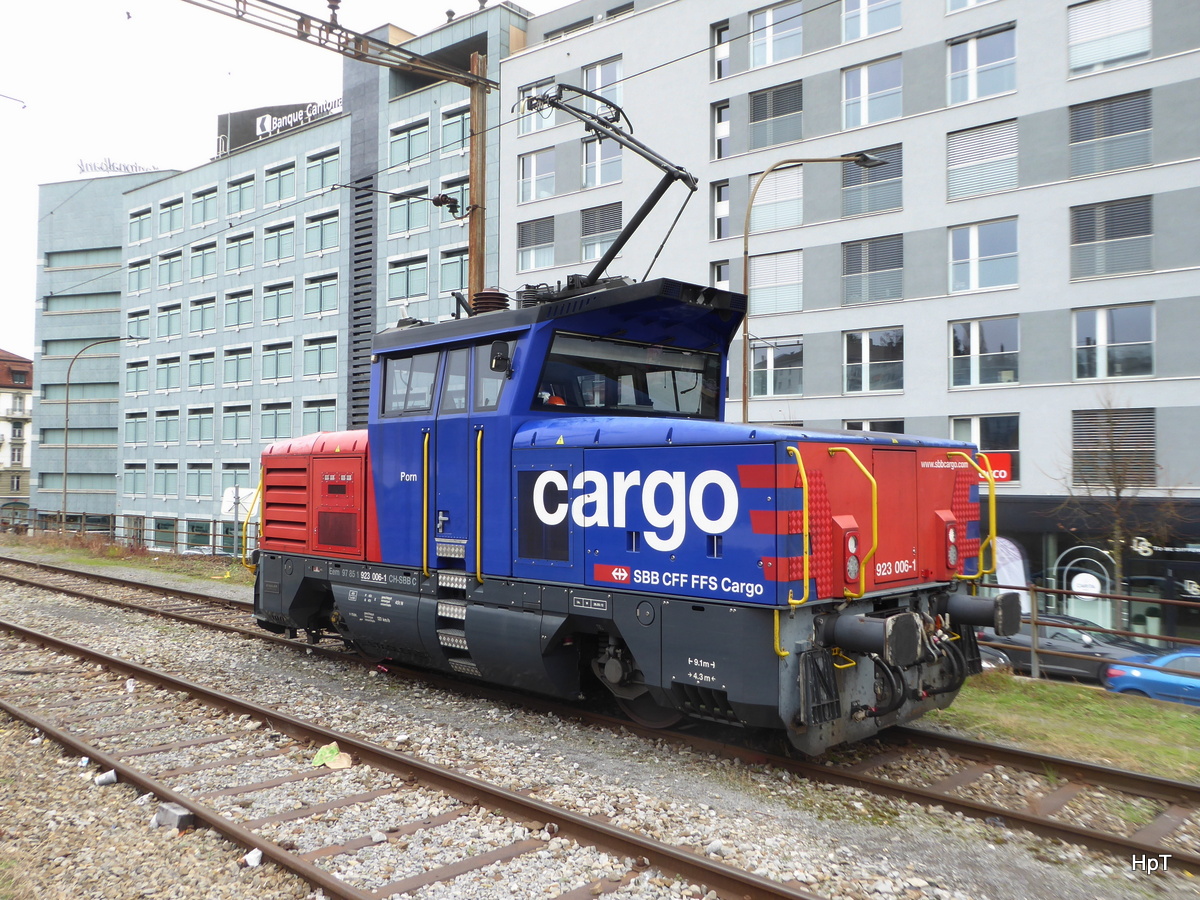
(546, 498)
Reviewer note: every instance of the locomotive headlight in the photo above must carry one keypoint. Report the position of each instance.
(852, 568)
(952, 547)
(852, 544)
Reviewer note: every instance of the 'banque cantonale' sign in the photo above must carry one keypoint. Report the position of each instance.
(249, 125)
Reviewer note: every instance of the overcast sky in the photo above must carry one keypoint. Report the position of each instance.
(143, 81)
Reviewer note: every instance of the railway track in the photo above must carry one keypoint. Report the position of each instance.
(1127, 814)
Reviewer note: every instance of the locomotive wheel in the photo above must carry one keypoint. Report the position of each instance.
(646, 712)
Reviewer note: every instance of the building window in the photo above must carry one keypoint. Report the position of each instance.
(276, 421)
(239, 196)
(777, 282)
(776, 33)
(139, 226)
(321, 171)
(956, 5)
(408, 212)
(166, 479)
(452, 274)
(720, 202)
(982, 65)
(535, 244)
(1104, 33)
(456, 131)
(721, 145)
(200, 425)
(601, 162)
(408, 278)
(1114, 342)
(170, 217)
(992, 434)
(135, 479)
(874, 360)
(166, 426)
(135, 428)
(318, 415)
(862, 18)
(984, 351)
(777, 367)
(239, 309)
(199, 481)
(779, 202)
(320, 356)
(409, 145)
(279, 184)
(534, 120)
(981, 160)
(536, 175)
(139, 276)
(1111, 238)
(869, 190)
(204, 261)
(873, 270)
(204, 206)
(235, 475)
(169, 321)
(137, 377)
(983, 255)
(719, 274)
(166, 374)
(777, 115)
(239, 252)
(1113, 449)
(720, 50)
(202, 316)
(279, 242)
(202, 370)
(603, 78)
(599, 227)
(321, 233)
(170, 269)
(137, 325)
(1110, 134)
(277, 302)
(277, 362)
(237, 366)
(883, 426)
(872, 93)
(235, 423)
(320, 295)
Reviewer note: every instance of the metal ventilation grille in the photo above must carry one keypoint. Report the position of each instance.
(1113, 448)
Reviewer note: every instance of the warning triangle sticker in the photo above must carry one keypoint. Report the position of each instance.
(560, 440)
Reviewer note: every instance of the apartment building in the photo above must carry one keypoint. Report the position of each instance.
(1021, 271)
(16, 414)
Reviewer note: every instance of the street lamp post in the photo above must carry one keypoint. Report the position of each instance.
(67, 425)
(866, 160)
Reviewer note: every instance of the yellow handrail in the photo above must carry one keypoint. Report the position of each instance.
(253, 569)
(779, 651)
(425, 508)
(862, 572)
(793, 451)
(479, 507)
(990, 539)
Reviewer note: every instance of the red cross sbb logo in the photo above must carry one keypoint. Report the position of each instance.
(619, 574)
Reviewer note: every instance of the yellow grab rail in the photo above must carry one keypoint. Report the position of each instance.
(253, 569)
(479, 507)
(425, 508)
(793, 451)
(779, 651)
(991, 538)
(862, 571)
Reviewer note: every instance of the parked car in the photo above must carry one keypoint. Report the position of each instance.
(1054, 639)
(992, 660)
(1181, 684)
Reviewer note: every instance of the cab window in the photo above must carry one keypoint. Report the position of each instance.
(408, 383)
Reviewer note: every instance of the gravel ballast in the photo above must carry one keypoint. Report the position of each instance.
(67, 837)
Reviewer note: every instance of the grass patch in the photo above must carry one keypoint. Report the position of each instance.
(12, 885)
(97, 551)
(1079, 721)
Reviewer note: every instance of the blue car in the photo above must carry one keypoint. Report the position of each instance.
(1181, 683)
